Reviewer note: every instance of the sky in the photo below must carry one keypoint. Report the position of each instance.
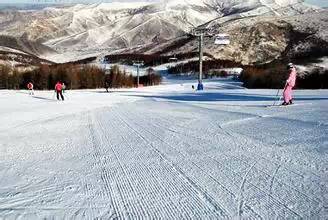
(68, 1)
(322, 3)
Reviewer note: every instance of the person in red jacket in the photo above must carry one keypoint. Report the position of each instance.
(59, 90)
(30, 88)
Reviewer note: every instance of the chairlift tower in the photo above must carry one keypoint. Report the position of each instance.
(138, 64)
(103, 62)
(12, 63)
(200, 32)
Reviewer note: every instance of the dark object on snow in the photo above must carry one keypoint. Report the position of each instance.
(288, 103)
(60, 93)
(107, 84)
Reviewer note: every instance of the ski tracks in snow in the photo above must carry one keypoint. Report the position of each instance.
(272, 193)
(200, 191)
(158, 185)
(157, 160)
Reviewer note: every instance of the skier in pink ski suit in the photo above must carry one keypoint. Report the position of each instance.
(290, 83)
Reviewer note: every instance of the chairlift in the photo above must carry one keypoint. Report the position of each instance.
(138, 63)
(173, 59)
(222, 39)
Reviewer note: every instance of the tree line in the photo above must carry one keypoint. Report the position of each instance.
(44, 77)
(274, 76)
(208, 65)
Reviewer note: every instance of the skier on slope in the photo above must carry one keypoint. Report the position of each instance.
(63, 87)
(107, 84)
(290, 83)
(59, 90)
(30, 88)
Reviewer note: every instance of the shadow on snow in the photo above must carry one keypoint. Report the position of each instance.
(208, 97)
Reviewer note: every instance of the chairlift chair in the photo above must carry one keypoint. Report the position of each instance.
(173, 59)
(222, 39)
(138, 63)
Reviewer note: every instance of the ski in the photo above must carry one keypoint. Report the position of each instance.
(287, 106)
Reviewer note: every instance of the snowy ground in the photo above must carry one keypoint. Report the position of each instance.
(164, 152)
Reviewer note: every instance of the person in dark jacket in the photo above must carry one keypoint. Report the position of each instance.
(107, 84)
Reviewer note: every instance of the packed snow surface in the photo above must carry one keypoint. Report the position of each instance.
(164, 152)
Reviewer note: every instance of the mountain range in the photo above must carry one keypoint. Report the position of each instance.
(261, 30)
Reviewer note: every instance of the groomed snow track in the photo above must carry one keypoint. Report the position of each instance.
(154, 157)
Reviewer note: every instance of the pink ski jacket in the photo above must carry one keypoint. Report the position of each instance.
(58, 87)
(292, 78)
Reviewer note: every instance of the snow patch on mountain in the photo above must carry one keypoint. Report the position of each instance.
(86, 28)
(10, 50)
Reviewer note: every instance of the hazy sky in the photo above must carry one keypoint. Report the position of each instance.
(323, 3)
(69, 1)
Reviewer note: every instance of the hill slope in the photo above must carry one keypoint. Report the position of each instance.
(257, 41)
(83, 30)
(164, 152)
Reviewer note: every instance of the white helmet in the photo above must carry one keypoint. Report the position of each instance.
(290, 65)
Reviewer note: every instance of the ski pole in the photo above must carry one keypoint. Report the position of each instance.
(283, 91)
(66, 96)
(275, 101)
(276, 97)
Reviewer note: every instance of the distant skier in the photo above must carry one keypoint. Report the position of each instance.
(107, 84)
(59, 90)
(30, 88)
(64, 87)
(290, 83)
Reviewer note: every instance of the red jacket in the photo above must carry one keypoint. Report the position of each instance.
(30, 86)
(58, 87)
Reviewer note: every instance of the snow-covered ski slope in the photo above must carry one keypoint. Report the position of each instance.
(164, 152)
